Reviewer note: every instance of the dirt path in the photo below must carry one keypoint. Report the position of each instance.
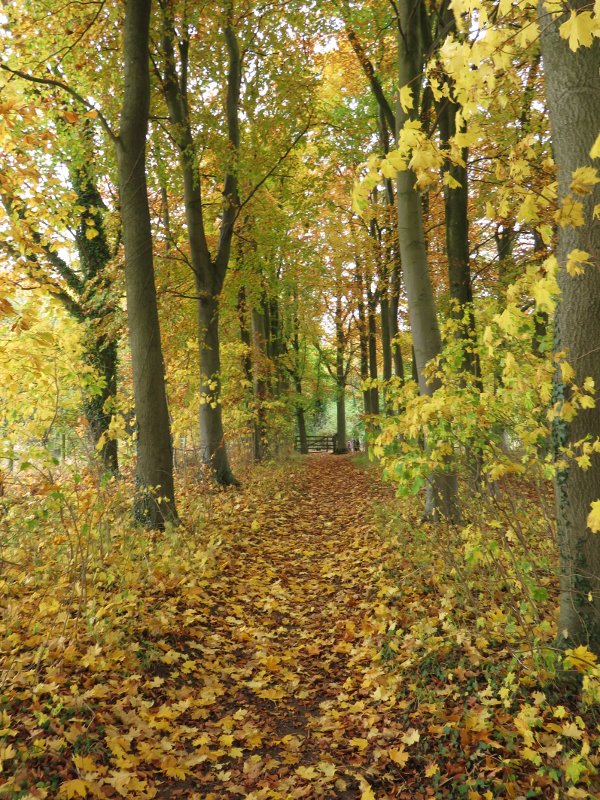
(286, 659)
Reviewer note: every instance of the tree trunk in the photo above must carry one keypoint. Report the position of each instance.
(364, 351)
(209, 273)
(372, 339)
(103, 357)
(212, 436)
(386, 347)
(101, 350)
(413, 250)
(456, 202)
(155, 498)
(245, 337)
(301, 419)
(394, 327)
(259, 350)
(340, 377)
(573, 95)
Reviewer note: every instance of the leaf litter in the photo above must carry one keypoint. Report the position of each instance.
(310, 656)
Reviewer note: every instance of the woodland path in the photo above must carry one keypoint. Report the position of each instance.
(291, 611)
(249, 668)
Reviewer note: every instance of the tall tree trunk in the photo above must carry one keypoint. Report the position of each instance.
(372, 340)
(340, 376)
(212, 438)
(413, 250)
(386, 347)
(301, 418)
(364, 348)
(103, 357)
(259, 350)
(101, 349)
(456, 202)
(209, 273)
(155, 498)
(245, 336)
(394, 326)
(573, 94)
(296, 373)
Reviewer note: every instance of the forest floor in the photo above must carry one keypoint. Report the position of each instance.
(305, 654)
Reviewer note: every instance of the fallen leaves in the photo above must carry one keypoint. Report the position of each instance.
(310, 657)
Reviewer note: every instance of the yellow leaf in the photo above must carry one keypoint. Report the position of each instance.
(595, 151)
(74, 788)
(84, 763)
(531, 755)
(411, 736)
(91, 233)
(367, 794)
(360, 744)
(593, 520)
(406, 98)
(578, 29)
(571, 730)
(580, 657)
(528, 211)
(398, 755)
(570, 212)
(326, 768)
(451, 182)
(584, 179)
(576, 260)
(432, 770)
(308, 773)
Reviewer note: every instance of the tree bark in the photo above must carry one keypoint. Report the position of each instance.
(301, 418)
(413, 250)
(372, 341)
(259, 350)
(155, 499)
(212, 440)
(209, 272)
(386, 345)
(340, 375)
(101, 350)
(393, 321)
(573, 95)
(364, 347)
(456, 202)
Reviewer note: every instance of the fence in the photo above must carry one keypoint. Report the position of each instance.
(318, 444)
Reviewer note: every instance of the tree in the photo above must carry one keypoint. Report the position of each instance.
(209, 271)
(573, 94)
(155, 500)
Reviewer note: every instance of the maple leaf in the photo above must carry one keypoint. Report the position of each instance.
(406, 98)
(399, 755)
(308, 773)
(593, 519)
(570, 213)
(584, 179)
(579, 29)
(581, 658)
(411, 736)
(360, 744)
(74, 788)
(576, 260)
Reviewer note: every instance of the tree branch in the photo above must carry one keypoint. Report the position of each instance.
(26, 76)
